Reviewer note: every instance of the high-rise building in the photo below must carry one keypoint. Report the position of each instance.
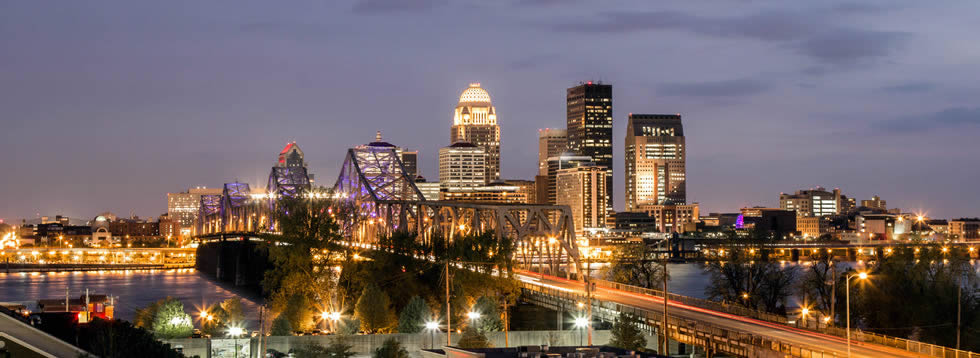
(551, 143)
(430, 190)
(590, 127)
(655, 160)
(493, 193)
(184, 207)
(526, 188)
(475, 121)
(410, 160)
(583, 189)
(564, 161)
(462, 165)
(291, 156)
(812, 202)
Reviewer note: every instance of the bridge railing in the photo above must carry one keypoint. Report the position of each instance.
(712, 337)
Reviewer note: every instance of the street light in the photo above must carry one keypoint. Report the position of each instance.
(432, 327)
(803, 312)
(473, 315)
(847, 290)
(581, 323)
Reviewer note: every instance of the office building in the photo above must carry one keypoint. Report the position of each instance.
(964, 229)
(430, 190)
(812, 226)
(410, 161)
(673, 218)
(774, 222)
(493, 193)
(872, 225)
(583, 189)
(634, 222)
(475, 121)
(291, 156)
(589, 110)
(526, 188)
(462, 165)
(875, 203)
(655, 161)
(551, 143)
(183, 207)
(564, 161)
(812, 202)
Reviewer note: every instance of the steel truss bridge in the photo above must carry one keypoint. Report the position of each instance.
(373, 198)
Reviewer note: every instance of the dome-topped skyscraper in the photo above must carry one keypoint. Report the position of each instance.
(475, 121)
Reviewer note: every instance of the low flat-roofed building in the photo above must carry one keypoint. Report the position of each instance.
(966, 229)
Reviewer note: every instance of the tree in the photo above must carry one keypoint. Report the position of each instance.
(633, 264)
(298, 313)
(144, 316)
(348, 326)
(756, 285)
(473, 338)
(391, 348)
(119, 339)
(414, 316)
(626, 333)
(339, 349)
(489, 320)
(171, 321)
(281, 326)
(374, 310)
(815, 283)
(235, 312)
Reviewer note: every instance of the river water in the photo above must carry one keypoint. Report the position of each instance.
(132, 289)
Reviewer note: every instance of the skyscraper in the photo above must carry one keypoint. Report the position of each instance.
(462, 165)
(475, 121)
(655, 161)
(291, 156)
(583, 189)
(555, 164)
(184, 207)
(590, 127)
(410, 160)
(551, 143)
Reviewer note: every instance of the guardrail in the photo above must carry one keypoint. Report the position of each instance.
(709, 336)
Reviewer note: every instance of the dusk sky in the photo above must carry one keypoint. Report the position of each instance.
(109, 105)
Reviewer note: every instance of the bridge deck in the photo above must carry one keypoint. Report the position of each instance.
(828, 344)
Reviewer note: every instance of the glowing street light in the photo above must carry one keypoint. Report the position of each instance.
(432, 327)
(847, 286)
(581, 323)
(473, 315)
(803, 313)
(236, 332)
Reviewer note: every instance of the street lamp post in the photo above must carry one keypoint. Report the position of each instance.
(236, 332)
(432, 327)
(581, 323)
(847, 290)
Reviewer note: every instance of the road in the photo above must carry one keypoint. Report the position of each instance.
(27, 335)
(799, 337)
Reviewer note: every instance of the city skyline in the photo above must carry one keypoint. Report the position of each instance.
(814, 111)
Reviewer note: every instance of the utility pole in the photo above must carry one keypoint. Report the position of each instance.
(666, 256)
(449, 313)
(588, 291)
(959, 292)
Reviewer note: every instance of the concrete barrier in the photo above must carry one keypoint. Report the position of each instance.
(364, 345)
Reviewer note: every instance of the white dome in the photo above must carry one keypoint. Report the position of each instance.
(474, 94)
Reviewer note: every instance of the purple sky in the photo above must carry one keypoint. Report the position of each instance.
(109, 105)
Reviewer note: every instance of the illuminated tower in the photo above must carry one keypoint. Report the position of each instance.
(475, 121)
(590, 127)
(655, 160)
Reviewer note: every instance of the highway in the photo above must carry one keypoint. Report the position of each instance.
(799, 337)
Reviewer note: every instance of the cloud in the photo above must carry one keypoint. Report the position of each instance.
(367, 7)
(910, 87)
(850, 46)
(955, 117)
(809, 34)
(544, 2)
(727, 88)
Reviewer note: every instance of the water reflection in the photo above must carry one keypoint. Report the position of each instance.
(133, 289)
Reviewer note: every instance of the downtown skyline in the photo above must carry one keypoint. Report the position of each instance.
(881, 115)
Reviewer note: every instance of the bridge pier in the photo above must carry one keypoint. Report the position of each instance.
(794, 255)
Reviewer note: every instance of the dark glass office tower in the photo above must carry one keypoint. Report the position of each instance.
(590, 127)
